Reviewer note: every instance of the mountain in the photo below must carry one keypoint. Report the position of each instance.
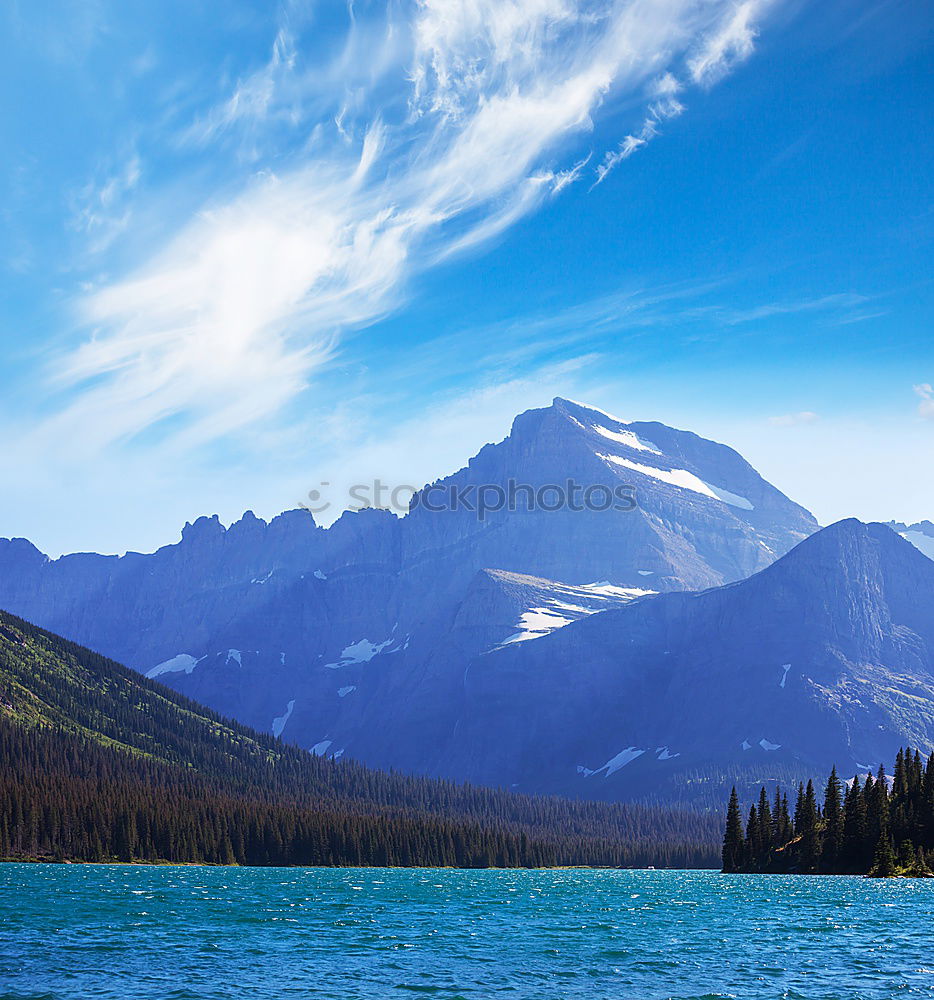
(921, 535)
(706, 634)
(100, 763)
(355, 639)
(825, 657)
(703, 516)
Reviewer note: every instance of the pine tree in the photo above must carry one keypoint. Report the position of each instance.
(753, 847)
(883, 861)
(777, 831)
(900, 778)
(877, 806)
(856, 835)
(927, 802)
(786, 825)
(799, 810)
(733, 838)
(854, 829)
(921, 867)
(765, 831)
(810, 832)
(906, 854)
(899, 812)
(833, 825)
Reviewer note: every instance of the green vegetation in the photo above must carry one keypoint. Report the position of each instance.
(99, 764)
(866, 829)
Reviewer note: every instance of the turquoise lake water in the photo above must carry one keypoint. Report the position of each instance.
(89, 931)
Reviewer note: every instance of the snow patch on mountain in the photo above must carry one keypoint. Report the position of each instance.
(363, 651)
(683, 480)
(593, 409)
(537, 622)
(623, 758)
(606, 589)
(279, 723)
(184, 662)
(559, 604)
(628, 438)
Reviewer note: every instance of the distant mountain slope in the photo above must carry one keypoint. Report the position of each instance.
(356, 637)
(99, 762)
(921, 535)
(827, 656)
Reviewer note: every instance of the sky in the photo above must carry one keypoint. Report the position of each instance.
(253, 247)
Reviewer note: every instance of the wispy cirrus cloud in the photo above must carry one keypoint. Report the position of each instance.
(715, 54)
(464, 117)
(731, 42)
(925, 393)
(665, 105)
(844, 306)
(102, 210)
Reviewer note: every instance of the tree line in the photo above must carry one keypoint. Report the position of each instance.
(877, 826)
(99, 763)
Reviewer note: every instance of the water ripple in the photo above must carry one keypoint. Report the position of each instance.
(72, 932)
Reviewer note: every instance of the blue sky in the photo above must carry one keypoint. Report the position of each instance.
(249, 247)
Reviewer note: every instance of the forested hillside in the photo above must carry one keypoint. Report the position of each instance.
(876, 827)
(99, 763)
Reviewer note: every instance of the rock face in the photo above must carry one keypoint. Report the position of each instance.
(363, 638)
(826, 657)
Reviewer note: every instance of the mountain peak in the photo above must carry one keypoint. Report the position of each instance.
(567, 422)
(575, 407)
(657, 460)
(21, 553)
(858, 577)
(203, 527)
(849, 539)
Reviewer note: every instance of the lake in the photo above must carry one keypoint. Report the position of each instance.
(174, 933)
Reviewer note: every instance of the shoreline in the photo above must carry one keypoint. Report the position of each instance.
(437, 868)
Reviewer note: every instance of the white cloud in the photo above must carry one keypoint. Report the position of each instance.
(462, 118)
(925, 393)
(802, 418)
(731, 43)
(846, 306)
(102, 209)
(664, 105)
